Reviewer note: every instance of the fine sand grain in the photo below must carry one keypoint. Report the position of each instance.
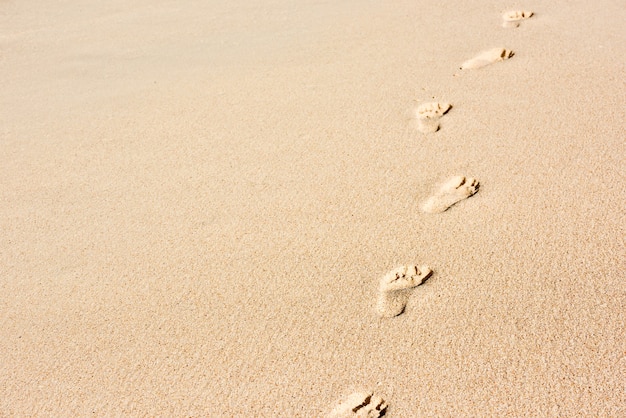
(198, 198)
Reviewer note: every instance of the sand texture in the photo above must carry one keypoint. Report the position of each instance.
(198, 200)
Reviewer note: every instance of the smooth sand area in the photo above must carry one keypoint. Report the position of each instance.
(198, 200)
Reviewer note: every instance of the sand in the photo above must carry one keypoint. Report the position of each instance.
(199, 199)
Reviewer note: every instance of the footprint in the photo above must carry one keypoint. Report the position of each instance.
(432, 110)
(513, 18)
(454, 190)
(360, 404)
(486, 58)
(428, 115)
(395, 288)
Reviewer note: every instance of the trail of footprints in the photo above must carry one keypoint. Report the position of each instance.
(396, 287)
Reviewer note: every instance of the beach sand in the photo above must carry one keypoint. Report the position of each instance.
(199, 199)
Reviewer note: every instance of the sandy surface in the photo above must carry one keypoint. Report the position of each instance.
(198, 199)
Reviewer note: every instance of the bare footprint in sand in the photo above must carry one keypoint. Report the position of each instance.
(395, 288)
(428, 115)
(361, 405)
(486, 58)
(452, 191)
(513, 18)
